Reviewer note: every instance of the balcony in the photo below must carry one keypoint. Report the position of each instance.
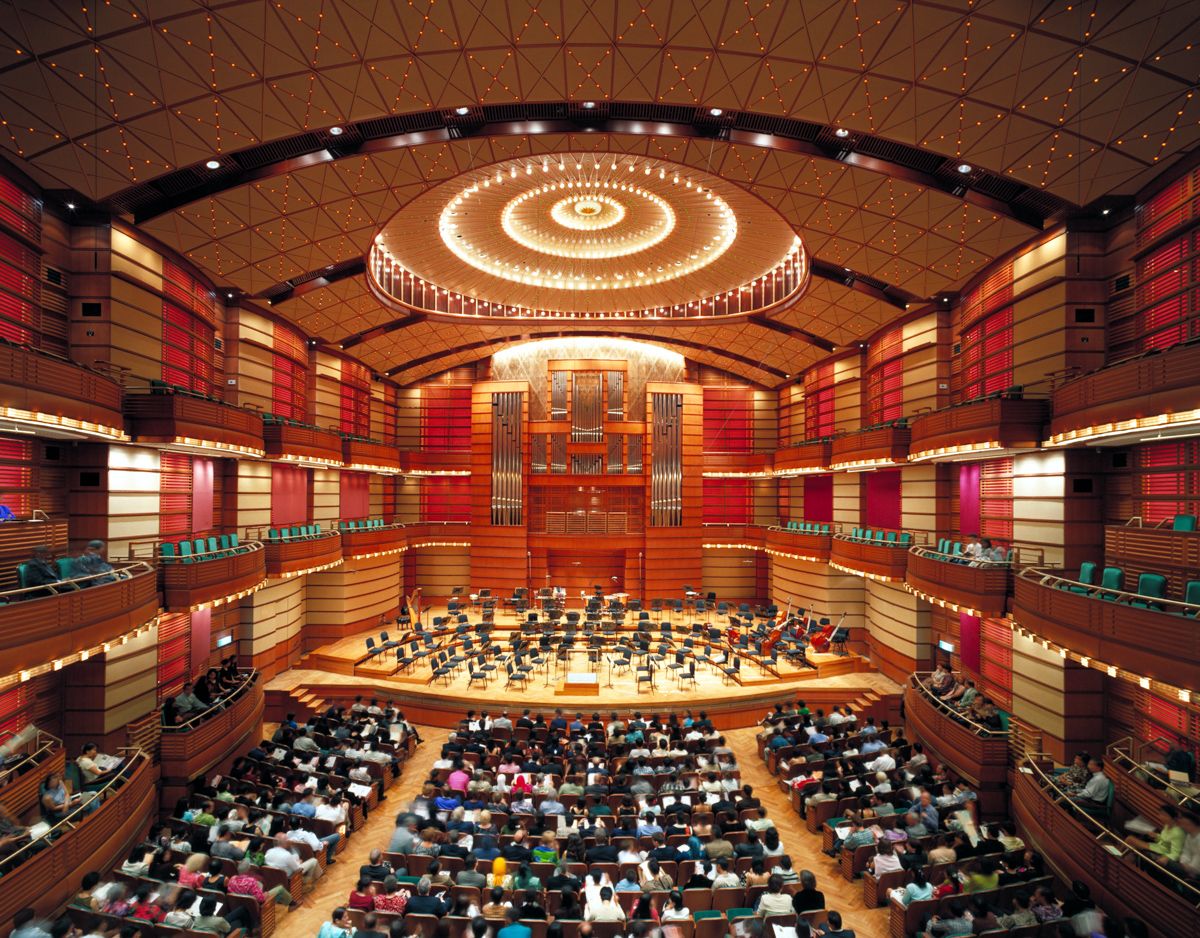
(876, 555)
(53, 397)
(45, 874)
(35, 755)
(803, 458)
(369, 455)
(982, 429)
(1162, 643)
(211, 577)
(1142, 785)
(1138, 550)
(803, 540)
(977, 753)
(48, 623)
(371, 538)
(977, 591)
(436, 464)
(295, 551)
(871, 448)
(289, 441)
(1077, 846)
(1153, 395)
(193, 749)
(177, 419)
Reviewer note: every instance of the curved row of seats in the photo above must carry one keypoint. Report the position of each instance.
(364, 525)
(300, 533)
(880, 538)
(201, 549)
(1111, 588)
(953, 551)
(808, 527)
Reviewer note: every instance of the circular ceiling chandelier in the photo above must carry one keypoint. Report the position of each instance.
(587, 235)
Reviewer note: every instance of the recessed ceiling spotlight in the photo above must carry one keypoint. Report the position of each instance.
(71, 206)
(589, 104)
(715, 111)
(1105, 211)
(336, 131)
(460, 111)
(841, 132)
(213, 164)
(229, 296)
(964, 168)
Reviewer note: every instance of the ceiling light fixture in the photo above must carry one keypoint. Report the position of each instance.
(841, 132)
(964, 168)
(212, 164)
(589, 104)
(71, 206)
(715, 111)
(336, 131)
(460, 111)
(1105, 211)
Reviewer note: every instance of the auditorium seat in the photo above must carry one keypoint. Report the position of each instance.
(1184, 523)
(1087, 576)
(1113, 578)
(1153, 585)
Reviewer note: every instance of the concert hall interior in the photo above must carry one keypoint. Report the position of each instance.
(805, 395)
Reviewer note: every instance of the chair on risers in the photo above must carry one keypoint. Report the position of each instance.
(1153, 585)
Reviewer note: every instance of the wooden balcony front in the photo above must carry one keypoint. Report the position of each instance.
(302, 444)
(196, 748)
(979, 591)
(1076, 848)
(433, 463)
(979, 755)
(978, 429)
(869, 558)
(369, 456)
(875, 446)
(1137, 550)
(297, 555)
(22, 777)
(797, 543)
(42, 391)
(184, 420)
(809, 456)
(1164, 645)
(212, 578)
(363, 542)
(46, 879)
(37, 628)
(1152, 393)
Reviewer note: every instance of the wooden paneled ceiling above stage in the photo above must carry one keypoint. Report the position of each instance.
(907, 143)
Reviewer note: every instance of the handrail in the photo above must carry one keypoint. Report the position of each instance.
(70, 586)
(1031, 764)
(260, 535)
(943, 557)
(73, 816)
(223, 704)
(155, 544)
(979, 728)
(834, 528)
(1047, 577)
(244, 547)
(875, 541)
(44, 742)
(1182, 797)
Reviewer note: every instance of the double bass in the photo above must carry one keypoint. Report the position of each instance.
(776, 632)
(824, 636)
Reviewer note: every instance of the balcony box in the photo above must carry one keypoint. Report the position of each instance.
(984, 429)
(977, 591)
(57, 398)
(1153, 395)
(193, 749)
(179, 420)
(1161, 645)
(1137, 550)
(367, 542)
(34, 631)
(419, 464)
(288, 441)
(878, 561)
(870, 448)
(803, 458)
(815, 547)
(214, 581)
(369, 455)
(294, 556)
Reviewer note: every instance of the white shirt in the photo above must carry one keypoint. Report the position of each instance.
(280, 858)
(882, 763)
(328, 812)
(301, 836)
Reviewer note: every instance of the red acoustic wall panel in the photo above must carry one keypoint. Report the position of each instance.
(881, 499)
(818, 498)
(289, 495)
(355, 495)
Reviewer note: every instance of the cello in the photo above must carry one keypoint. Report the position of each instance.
(821, 640)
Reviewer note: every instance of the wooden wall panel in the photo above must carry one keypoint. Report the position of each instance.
(438, 570)
(818, 587)
(898, 624)
(350, 598)
(847, 500)
(1058, 696)
(271, 623)
(847, 399)
(325, 401)
(253, 494)
(920, 505)
(926, 363)
(249, 358)
(326, 498)
(133, 498)
(731, 573)
(110, 690)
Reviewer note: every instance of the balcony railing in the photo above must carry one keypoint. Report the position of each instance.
(45, 393)
(179, 419)
(45, 873)
(370, 455)
(212, 577)
(1162, 643)
(803, 458)
(1137, 550)
(1080, 846)
(1151, 395)
(43, 624)
(980, 429)
(193, 748)
(35, 755)
(290, 441)
(1139, 786)
(872, 447)
(369, 540)
(873, 558)
(305, 553)
(807, 544)
(978, 590)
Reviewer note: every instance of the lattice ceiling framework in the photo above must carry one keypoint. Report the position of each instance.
(1080, 101)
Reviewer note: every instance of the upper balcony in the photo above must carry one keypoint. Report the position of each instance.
(804, 539)
(176, 418)
(1094, 851)
(876, 555)
(871, 447)
(371, 538)
(1151, 396)
(1169, 550)
(292, 441)
(53, 622)
(804, 458)
(192, 749)
(1142, 784)
(436, 464)
(1149, 636)
(209, 571)
(304, 549)
(369, 455)
(940, 576)
(34, 754)
(999, 425)
(97, 835)
(976, 752)
(54, 397)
